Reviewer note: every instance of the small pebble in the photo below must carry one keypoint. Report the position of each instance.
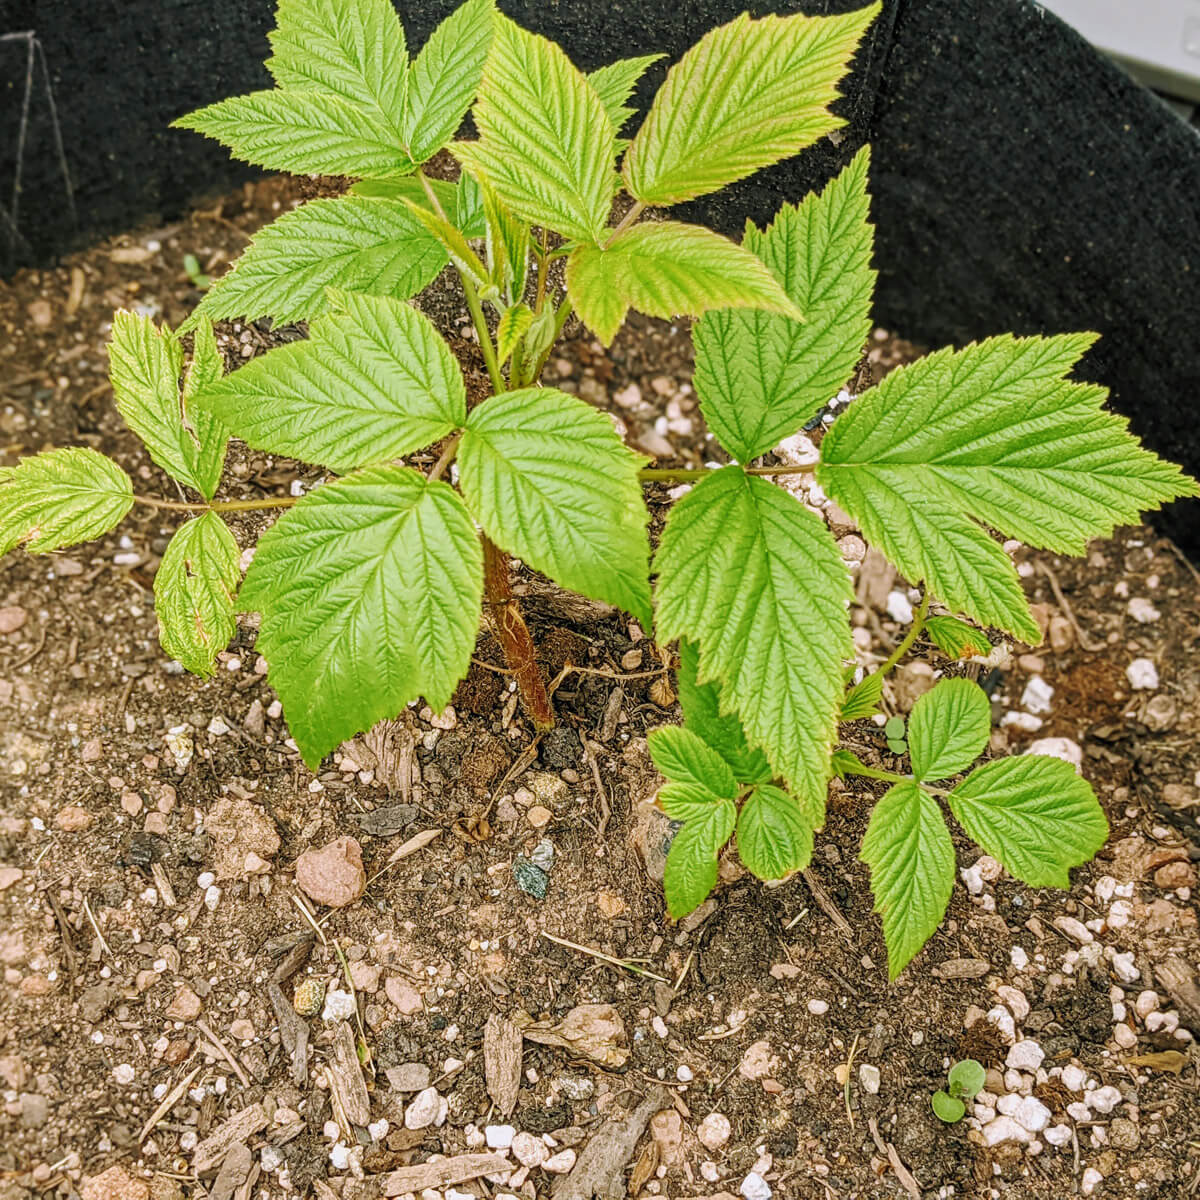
(1142, 675)
(754, 1186)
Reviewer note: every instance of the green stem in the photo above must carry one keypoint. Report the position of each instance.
(892, 777)
(625, 222)
(217, 505)
(691, 474)
(485, 338)
(910, 637)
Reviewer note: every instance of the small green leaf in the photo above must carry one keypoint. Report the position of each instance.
(507, 244)
(511, 328)
(774, 835)
(685, 801)
(468, 206)
(683, 757)
(967, 1079)
(897, 746)
(194, 592)
(862, 700)
(206, 367)
(894, 729)
(550, 481)
(911, 856)
(949, 729)
(947, 1108)
(373, 382)
(1033, 814)
(956, 638)
(691, 871)
(614, 85)
(665, 268)
(61, 497)
(453, 241)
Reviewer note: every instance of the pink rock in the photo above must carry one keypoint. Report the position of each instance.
(406, 999)
(334, 874)
(185, 1007)
(11, 619)
(72, 818)
(115, 1184)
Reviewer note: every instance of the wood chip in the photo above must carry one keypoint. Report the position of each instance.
(234, 1172)
(1161, 1060)
(502, 1051)
(209, 1153)
(346, 1077)
(293, 1032)
(962, 968)
(417, 842)
(594, 1030)
(600, 1167)
(1181, 984)
(445, 1172)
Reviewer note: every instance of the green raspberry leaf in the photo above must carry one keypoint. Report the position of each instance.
(757, 581)
(774, 835)
(685, 801)
(956, 638)
(1033, 814)
(373, 382)
(748, 94)
(550, 481)
(194, 593)
(911, 856)
(948, 729)
(1038, 459)
(862, 700)
(614, 85)
(370, 592)
(846, 762)
(692, 860)
(59, 498)
(665, 268)
(684, 757)
(761, 376)
(507, 244)
(511, 328)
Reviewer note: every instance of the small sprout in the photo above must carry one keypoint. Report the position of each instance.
(200, 281)
(894, 732)
(965, 1080)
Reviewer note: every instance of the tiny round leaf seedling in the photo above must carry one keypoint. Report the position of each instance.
(947, 1108)
(966, 1079)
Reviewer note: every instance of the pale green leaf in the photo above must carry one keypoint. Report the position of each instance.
(684, 757)
(956, 638)
(774, 834)
(207, 364)
(664, 269)
(615, 82)
(550, 481)
(911, 856)
(684, 801)
(507, 244)
(460, 202)
(468, 206)
(545, 142)
(370, 592)
(453, 241)
(862, 700)
(1033, 814)
(948, 729)
(511, 328)
(692, 860)
(373, 381)
(991, 435)
(194, 592)
(61, 497)
(144, 364)
(947, 1108)
(762, 376)
(754, 578)
(746, 95)
(361, 243)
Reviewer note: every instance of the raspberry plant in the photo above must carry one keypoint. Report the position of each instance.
(370, 588)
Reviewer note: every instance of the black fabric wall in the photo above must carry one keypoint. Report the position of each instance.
(1021, 181)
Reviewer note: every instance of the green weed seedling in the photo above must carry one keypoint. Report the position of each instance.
(370, 588)
(964, 1082)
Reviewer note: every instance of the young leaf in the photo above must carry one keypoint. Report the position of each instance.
(1033, 814)
(967, 1078)
(774, 835)
(194, 592)
(684, 757)
(546, 144)
(507, 244)
(550, 481)
(445, 77)
(746, 95)
(304, 132)
(692, 860)
(991, 435)
(956, 638)
(468, 206)
(862, 700)
(373, 382)
(757, 580)
(511, 329)
(60, 497)
(144, 365)
(947, 1108)
(666, 268)
(761, 376)
(701, 704)
(846, 762)
(948, 729)
(367, 244)
(911, 856)
(206, 367)
(461, 201)
(370, 591)
(614, 85)
(453, 240)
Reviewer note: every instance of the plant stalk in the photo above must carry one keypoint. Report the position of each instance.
(216, 505)
(910, 637)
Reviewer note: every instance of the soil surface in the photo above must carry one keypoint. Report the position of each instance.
(179, 1016)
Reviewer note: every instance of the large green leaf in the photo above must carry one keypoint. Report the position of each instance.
(682, 801)
(911, 856)
(948, 729)
(615, 82)
(991, 435)
(684, 757)
(754, 578)
(692, 860)
(1032, 813)
(360, 243)
(545, 142)
(144, 363)
(774, 834)
(664, 269)
(761, 376)
(373, 382)
(370, 591)
(194, 592)
(550, 481)
(61, 497)
(746, 95)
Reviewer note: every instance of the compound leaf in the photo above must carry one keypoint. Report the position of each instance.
(61, 497)
(755, 579)
(991, 435)
(761, 376)
(748, 94)
(956, 638)
(1033, 814)
(370, 593)
(691, 871)
(194, 592)
(948, 729)
(373, 382)
(862, 700)
(664, 268)
(550, 481)
(908, 848)
(615, 82)
(684, 757)
(774, 834)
